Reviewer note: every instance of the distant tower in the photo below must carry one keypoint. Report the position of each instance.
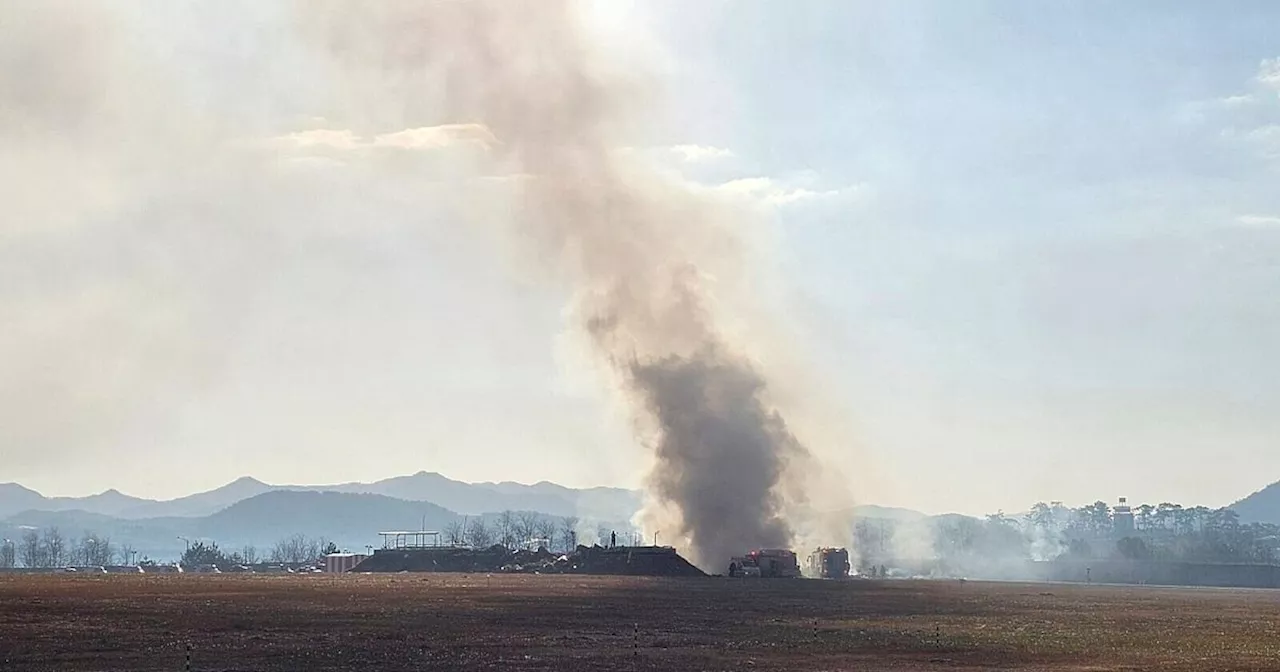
(1122, 518)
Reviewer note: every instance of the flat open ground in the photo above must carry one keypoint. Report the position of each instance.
(454, 621)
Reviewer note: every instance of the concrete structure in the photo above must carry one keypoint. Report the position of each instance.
(336, 563)
(1122, 518)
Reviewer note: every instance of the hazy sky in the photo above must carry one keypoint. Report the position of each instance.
(1028, 251)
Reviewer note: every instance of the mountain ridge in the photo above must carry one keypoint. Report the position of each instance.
(1262, 506)
(601, 502)
(352, 520)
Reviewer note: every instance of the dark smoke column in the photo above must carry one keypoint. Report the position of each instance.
(634, 247)
(721, 455)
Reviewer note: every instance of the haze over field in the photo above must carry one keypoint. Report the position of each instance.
(964, 257)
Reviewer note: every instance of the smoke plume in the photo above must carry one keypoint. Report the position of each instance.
(638, 251)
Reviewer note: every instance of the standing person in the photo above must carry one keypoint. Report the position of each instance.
(613, 539)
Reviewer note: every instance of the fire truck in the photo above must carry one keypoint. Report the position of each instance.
(768, 563)
(829, 563)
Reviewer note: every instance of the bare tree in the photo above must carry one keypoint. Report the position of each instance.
(103, 551)
(32, 551)
(249, 555)
(297, 548)
(478, 533)
(546, 532)
(506, 528)
(78, 554)
(127, 554)
(527, 527)
(91, 549)
(569, 532)
(456, 532)
(54, 548)
(8, 554)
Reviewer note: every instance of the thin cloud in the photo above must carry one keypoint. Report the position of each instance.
(701, 153)
(339, 139)
(424, 138)
(1237, 101)
(436, 137)
(1269, 73)
(1258, 221)
(1267, 138)
(769, 192)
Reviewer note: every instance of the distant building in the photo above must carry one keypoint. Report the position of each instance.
(336, 563)
(1122, 518)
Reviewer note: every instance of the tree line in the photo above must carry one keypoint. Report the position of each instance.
(1051, 531)
(294, 549)
(1165, 531)
(49, 548)
(514, 530)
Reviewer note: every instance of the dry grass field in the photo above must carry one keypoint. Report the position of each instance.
(505, 622)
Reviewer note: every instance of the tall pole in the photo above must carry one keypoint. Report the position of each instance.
(655, 538)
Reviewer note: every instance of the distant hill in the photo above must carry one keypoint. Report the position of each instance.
(476, 498)
(201, 503)
(15, 498)
(1262, 506)
(466, 498)
(888, 513)
(352, 520)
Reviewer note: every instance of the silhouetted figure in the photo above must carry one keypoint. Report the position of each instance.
(613, 539)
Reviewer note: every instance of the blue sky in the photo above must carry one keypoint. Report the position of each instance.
(1028, 252)
(1057, 283)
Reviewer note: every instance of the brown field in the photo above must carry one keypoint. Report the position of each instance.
(477, 622)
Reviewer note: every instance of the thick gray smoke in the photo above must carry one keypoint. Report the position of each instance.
(636, 250)
(721, 454)
(147, 200)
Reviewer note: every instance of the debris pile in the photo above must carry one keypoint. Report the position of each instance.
(625, 560)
